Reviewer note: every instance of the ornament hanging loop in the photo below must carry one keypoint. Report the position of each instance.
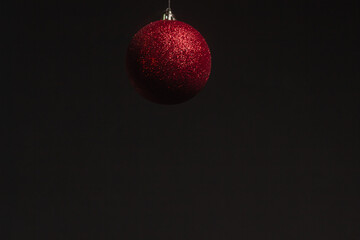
(168, 15)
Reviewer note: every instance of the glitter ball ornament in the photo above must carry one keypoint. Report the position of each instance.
(168, 61)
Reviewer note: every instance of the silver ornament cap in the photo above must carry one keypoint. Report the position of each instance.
(168, 15)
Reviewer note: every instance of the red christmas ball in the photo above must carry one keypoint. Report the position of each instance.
(168, 61)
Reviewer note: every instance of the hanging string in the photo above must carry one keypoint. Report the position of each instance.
(169, 5)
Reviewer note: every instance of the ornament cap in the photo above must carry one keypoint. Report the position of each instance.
(168, 15)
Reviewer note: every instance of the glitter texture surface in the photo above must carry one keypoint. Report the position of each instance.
(168, 62)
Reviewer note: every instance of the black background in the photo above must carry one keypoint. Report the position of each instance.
(269, 149)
